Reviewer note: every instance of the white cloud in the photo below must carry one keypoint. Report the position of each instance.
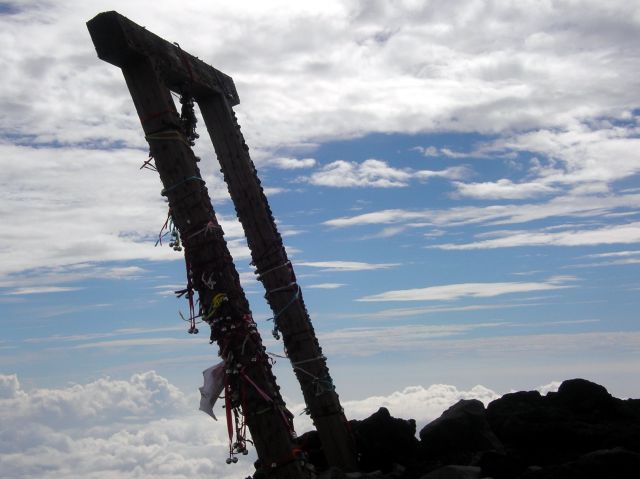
(550, 387)
(614, 254)
(307, 74)
(142, 427)
(562, 206)
(41, 290)
(584, 155)
(92, 336)
(452, 292)
(374, 173)
(426, 151)
(431, 341)
(285, 163)
(432, 151)
(394, 313)
(424, 404)
(387, 232)
(325, 286)
(452, 173)
(340, 70)
(123, 272)
(417, 402)
(117, 344)
(366, 341)
(269, 191)
(346, 265)
(616, 234)
(68, 209)
(614, 258)
(502, 189)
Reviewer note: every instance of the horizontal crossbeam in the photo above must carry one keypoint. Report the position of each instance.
(120, 42)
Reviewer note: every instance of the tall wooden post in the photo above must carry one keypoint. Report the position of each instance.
(211, 270)
(283, 293)
(152, 66)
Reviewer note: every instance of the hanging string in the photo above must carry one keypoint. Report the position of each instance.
(276, 329)
(192, 310)
(322, 385)
(227, 406)
(210, 227)
(179, 183)
(148, 165)
(271, 270)
(168, 135)
(164, 226)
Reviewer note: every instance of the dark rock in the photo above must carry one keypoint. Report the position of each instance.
(581, 417)
(463, 428)
(501, 466)
(383, 441)
(612, 463)
(454, 472)
(310, 443)
(584, 397)
(580, 431)
(508, 415)
(332, 473)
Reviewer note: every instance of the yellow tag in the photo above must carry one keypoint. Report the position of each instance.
(217, 300)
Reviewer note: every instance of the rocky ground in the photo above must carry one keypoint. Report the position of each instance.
(580, 431)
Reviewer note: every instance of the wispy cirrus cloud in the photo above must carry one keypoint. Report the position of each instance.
(451, 341)
(614, 254)
(502, 189)
(432, 151)
(399, 338)
(131, 343)
(613, 258)
(375, 174)
(41, 290)
(108, 334)
(616, 234)
(346, 265)
(325, 286)
(452, 292)
(577, 206)
(394, 313)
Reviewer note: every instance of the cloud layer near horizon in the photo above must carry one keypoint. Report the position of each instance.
(146, 427)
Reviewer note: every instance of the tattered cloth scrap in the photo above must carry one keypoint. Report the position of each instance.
(213, 386)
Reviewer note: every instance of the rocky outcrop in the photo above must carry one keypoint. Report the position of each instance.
(580, 418)
(383, 440)
(458, 434)
(580, 431)
(614, 463)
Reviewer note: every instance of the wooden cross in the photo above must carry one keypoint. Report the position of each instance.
(152, 68)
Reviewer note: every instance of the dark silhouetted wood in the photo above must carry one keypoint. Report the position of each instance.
(152, 67)
(277, 275)
(208, 254)
(120, 41)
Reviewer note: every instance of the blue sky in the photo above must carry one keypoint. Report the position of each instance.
(456, 183)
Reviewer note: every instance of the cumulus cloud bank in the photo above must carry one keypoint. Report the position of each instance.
(141, 427)
(145, 427)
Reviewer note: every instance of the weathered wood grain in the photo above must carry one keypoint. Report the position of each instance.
(207, 253)
(279, 280)
(120, 41)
